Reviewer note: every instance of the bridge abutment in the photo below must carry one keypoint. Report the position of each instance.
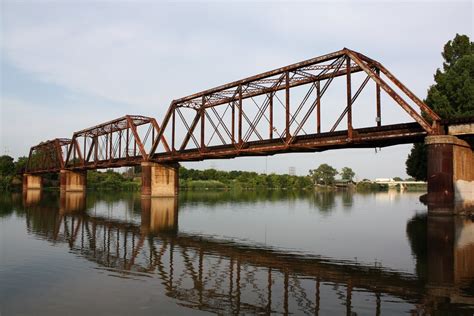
(32, 182)
(72, 181)
(450, 174)
(160, 180)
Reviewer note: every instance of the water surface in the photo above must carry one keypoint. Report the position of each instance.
(232, 253)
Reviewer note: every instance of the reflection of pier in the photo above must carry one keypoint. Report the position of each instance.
(450, 258)
(159, 215)
(226, 277)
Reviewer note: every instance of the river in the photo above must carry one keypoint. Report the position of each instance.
(270, 252)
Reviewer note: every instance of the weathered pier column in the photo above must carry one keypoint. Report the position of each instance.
(160, 180)
(450, 174)
(73, 181)
(32, 182)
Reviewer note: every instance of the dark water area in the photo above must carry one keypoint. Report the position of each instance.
(318, 253)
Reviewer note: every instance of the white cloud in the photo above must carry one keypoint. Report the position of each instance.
(24, 124)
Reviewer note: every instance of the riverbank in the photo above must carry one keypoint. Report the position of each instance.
(211, 179)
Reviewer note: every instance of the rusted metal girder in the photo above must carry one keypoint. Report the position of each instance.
(48, 156)
(316, 74)
(387, 135)
(113, 144)
(272, 112)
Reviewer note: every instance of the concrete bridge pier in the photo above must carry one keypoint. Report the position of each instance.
(450, 174)
(72, 181)
(160, 180)
(32, 182)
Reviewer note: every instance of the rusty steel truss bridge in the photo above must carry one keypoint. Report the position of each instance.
(278, 111)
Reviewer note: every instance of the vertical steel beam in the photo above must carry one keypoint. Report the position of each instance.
(173, 128)
(106, 146)
(240, 115)
(111, 143)
(270, 109)
(120, 144)
(349, 98)
(203, 112)
(127, 142)
(85, 151)
(74, 149)
(152, 134)
(318, 107)
(287, 105)
(96, 149)
(377, 95)
(233, 122)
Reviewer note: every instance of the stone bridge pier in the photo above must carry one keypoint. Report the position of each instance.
(72, 181)
(32, 182)
(160, 180)
(450, 174)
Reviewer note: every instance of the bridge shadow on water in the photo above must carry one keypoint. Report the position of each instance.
(134, 238)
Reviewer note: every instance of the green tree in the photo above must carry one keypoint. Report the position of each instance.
(324, 174)
(20, 164)
(397, 179)
(451, 96)
(7, 167)
(347, 174)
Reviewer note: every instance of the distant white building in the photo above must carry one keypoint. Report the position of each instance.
(384, 180)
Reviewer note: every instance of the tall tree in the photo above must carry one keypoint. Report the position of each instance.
(452, 95)
(20, 164)
(347, 174)
(7, 167)
(324, 174)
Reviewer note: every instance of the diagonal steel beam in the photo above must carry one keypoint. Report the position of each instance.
(362, 86)
(190, 129)
(395, 96)
(425, 108)
(133, 128)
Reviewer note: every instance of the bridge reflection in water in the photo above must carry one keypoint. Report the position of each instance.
(222, 276)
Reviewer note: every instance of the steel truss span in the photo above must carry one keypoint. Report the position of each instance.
(273, 112)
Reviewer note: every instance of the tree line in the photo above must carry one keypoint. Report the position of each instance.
(217, 179)
(192, 179)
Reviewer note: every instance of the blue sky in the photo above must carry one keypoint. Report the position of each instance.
(67, 65)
